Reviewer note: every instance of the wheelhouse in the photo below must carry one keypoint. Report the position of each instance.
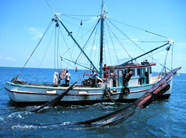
(141, 74)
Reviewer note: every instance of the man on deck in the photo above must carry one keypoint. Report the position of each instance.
(67, 78)
(93, 78)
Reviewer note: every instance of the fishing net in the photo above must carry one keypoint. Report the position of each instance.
(112, 118)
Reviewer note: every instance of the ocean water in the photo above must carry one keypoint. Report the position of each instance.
(163, 118)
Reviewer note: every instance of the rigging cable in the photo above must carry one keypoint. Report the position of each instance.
(172, 57)
(49, 6)
(88, 39)
(79, 29)
(113, 46)
(108, 52)
(92, 53)
(34, 49)
(58, 48)
(126, 36)
(141, 29)
(55, 50)
(78, 40)
(151, 41)
(157, 60)
(68, 49)
(43, 56)
(135, 43)
(119, 41)
(78, 15)
(69, 16)
(164, 67)
(75, 25)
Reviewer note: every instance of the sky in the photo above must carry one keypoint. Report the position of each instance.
(24, 22)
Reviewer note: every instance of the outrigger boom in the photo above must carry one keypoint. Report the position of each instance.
(123, 64)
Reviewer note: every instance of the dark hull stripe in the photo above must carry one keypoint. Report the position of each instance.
(88, 94)
(82, 102)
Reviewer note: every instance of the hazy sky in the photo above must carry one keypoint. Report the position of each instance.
(24, 21)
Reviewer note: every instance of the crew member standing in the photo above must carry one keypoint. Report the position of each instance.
(67, 78)
(56, 78)
(94, 77)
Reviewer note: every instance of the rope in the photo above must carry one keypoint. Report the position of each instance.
(68, 15)
(93, 43)
(34, 50)
(172, 57)
(119, 41)
(80, 77)
(49, 6)
(155, 59)
(55, 50)
(113, 46)
(163, 66)
(80, 28)
(151, 41)
(77, 15)
(138, 114)
(108, 52)
(127, 36)
(88, 39)
(68, 50)
(78, 40)
(58, 49)
(144, 41)
(42, 57)
(141, 29)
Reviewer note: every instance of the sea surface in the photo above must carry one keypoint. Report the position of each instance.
(163, 118)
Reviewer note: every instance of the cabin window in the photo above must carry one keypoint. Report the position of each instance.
(141, 71)
(120, 72)
(120, 78)
(138, 71)
(133, 72)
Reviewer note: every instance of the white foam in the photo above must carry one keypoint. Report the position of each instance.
(24, 127)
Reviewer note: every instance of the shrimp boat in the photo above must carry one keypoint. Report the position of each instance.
(123, 82)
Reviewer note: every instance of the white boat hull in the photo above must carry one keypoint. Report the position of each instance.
(32, 94)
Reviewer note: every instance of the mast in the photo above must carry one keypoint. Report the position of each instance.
(101, 40)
